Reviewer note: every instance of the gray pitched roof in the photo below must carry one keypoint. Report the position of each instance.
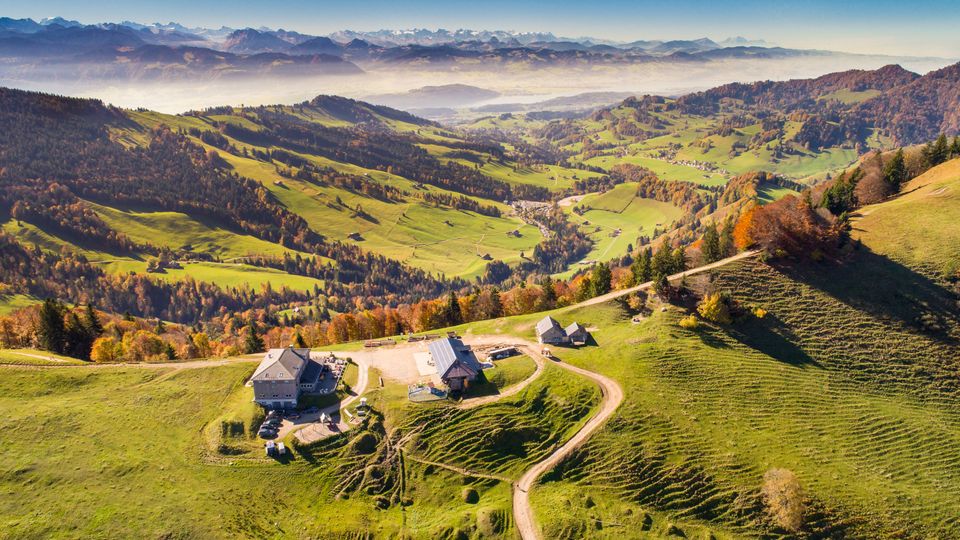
(574, 328)
(281, 365)
(312, 371)
(449, 352)
(546, 324)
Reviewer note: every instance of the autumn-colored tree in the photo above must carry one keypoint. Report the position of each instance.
(742, 231)
(714, 308)
(202, 344)
(791, 226)
(142, 346)
(106, 350)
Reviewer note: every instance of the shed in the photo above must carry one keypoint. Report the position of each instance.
(577, 334)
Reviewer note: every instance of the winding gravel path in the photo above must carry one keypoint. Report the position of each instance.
(612, 398)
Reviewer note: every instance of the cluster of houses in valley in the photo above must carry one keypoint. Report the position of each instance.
(549, 332)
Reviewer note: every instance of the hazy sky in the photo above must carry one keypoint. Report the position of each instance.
(923, 27)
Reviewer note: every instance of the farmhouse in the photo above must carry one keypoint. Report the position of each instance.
(549, 331)
(282, 375)
(455, 362)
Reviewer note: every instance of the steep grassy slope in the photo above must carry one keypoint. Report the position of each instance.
(919, 228)
(850, 381)
(422, 234)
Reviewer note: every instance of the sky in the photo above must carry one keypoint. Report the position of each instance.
(896, 27)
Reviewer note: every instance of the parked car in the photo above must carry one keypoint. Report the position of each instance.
(293, 416)
(267, 434)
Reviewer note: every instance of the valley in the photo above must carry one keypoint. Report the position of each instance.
(475, 284)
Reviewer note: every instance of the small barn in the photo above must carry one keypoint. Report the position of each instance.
(577, 334)
(550, 331)
(456, 365)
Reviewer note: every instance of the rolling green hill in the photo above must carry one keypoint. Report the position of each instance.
(919, 227)
(849, 381)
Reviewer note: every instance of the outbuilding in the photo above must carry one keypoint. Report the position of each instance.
(577, 334)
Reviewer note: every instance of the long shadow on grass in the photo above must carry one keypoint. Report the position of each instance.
(773, 338)
(481, 386)
(885, 289)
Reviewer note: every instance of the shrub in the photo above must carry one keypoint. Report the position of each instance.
(784, 499)
(470, 496)
(690, 322)
(491, 522)
(364, 444)
(714, 308)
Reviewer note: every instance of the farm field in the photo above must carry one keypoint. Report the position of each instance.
(176, 230)
(620, 208)
(436, 238)
(664, 169)
(12, 302)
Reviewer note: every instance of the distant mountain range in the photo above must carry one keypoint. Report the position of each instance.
(61, 48)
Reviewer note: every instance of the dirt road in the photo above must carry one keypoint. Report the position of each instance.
(529, 350)
(612, 397)
(693, 271)
(309, 429)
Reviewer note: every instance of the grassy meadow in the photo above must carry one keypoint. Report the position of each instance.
(121, 451)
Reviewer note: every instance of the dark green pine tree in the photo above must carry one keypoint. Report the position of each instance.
(51, 332)
(253, 343)
(298, 340)
(938, 151)
(679, 259)
(92, 321)
(727, 247)
(600, 279)
(496, 305)
(77, 338)
(955, 147)
(711, 245)
(895, 171)
(549, 293)
(452, 312)
(662, 262)
(642, 267)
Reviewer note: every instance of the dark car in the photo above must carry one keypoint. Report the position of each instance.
(267, 433)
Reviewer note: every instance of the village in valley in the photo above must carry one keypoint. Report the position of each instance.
(288, 382)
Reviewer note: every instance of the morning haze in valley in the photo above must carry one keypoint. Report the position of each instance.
(480, 270)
